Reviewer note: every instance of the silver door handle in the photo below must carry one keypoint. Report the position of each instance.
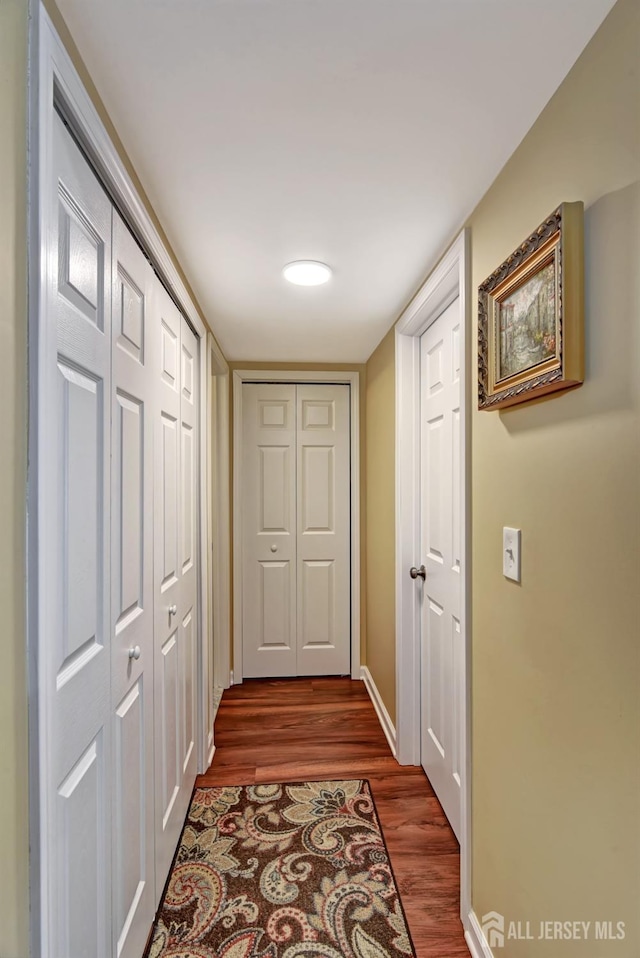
(173, 610)
(415, 573)
(135, 653)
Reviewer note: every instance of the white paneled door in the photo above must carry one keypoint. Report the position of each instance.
(442, 654)
(118, 569)
(134, 365)
(76, 536)
(175, 578)
(295, 529)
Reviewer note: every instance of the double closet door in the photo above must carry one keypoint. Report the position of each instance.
(296, 608)
(118, 568)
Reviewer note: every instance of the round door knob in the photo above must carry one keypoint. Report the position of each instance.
(274, 548)
(173, 610)
(418, 573)
(135, 653)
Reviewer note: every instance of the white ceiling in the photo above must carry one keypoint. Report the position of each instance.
(356, 132)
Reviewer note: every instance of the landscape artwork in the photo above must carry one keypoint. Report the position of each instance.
(526, 324)
(531, 315)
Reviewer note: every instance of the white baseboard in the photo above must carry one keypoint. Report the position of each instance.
(384, 718)
(475, 939)
(212, 752)
(231, 682)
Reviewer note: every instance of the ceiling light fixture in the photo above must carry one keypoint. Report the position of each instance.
(306, 272)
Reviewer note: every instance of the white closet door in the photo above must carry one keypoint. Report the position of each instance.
(75, 645)
(175, 578)
(269, 529)
(323, 531)
(296, 606)
(134, 365)
(188, 551)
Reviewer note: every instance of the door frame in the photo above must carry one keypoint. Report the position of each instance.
(349, 378)
(54, 81)
(449, 281)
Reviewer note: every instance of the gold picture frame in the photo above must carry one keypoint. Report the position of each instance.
(531, 315)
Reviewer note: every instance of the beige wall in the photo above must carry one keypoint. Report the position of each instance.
(380, 473)
(556, 660)
(14, 836)
(332, 367)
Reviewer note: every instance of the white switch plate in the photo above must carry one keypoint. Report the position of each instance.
(511, 553)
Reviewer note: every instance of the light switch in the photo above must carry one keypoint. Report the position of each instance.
(511, 553)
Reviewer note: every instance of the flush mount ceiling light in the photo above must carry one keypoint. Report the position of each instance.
(306, 272)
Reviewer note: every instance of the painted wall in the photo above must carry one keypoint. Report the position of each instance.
(337, 367)
(380, 497)
(556, 659)
(14, 835)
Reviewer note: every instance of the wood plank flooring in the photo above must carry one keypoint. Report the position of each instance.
(301, 729)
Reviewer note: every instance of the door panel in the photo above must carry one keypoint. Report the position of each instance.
(169, 722)
(130, 840)
(76, 644)
(268, 530)
(324, 530)
(187, 663)
(318, 604)
(82, 910)
(176, 587)
(441, 654)
(81, 415)
(135, 352)
(318, 489)
(167, 527)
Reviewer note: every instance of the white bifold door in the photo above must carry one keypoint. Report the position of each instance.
(75, 564)
(134, 364)
(296, 608)
(117, 569)
(442, 652)
(175, 578)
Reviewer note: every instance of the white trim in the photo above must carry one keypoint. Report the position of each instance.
(448, 281)
(203, 734)
(352, 379)
(231, 678)
(53, 77)
(221, 504)
(475, 939)
(384, 718)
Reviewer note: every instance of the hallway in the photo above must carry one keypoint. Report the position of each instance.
(301, 729)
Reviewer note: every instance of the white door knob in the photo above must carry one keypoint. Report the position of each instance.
(274, 548)
(135, 653)
(173, 610)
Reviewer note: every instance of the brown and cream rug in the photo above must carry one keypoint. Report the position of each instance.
(281, 871)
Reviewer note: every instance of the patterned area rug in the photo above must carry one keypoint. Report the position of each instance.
(281, 871)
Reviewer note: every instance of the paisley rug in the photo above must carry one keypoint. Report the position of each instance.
(281, 871)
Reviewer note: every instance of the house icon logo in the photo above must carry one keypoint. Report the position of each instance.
(493, 929)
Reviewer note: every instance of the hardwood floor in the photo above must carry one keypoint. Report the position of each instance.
(301, 729)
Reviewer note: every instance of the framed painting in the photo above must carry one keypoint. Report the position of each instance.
(531, 315)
